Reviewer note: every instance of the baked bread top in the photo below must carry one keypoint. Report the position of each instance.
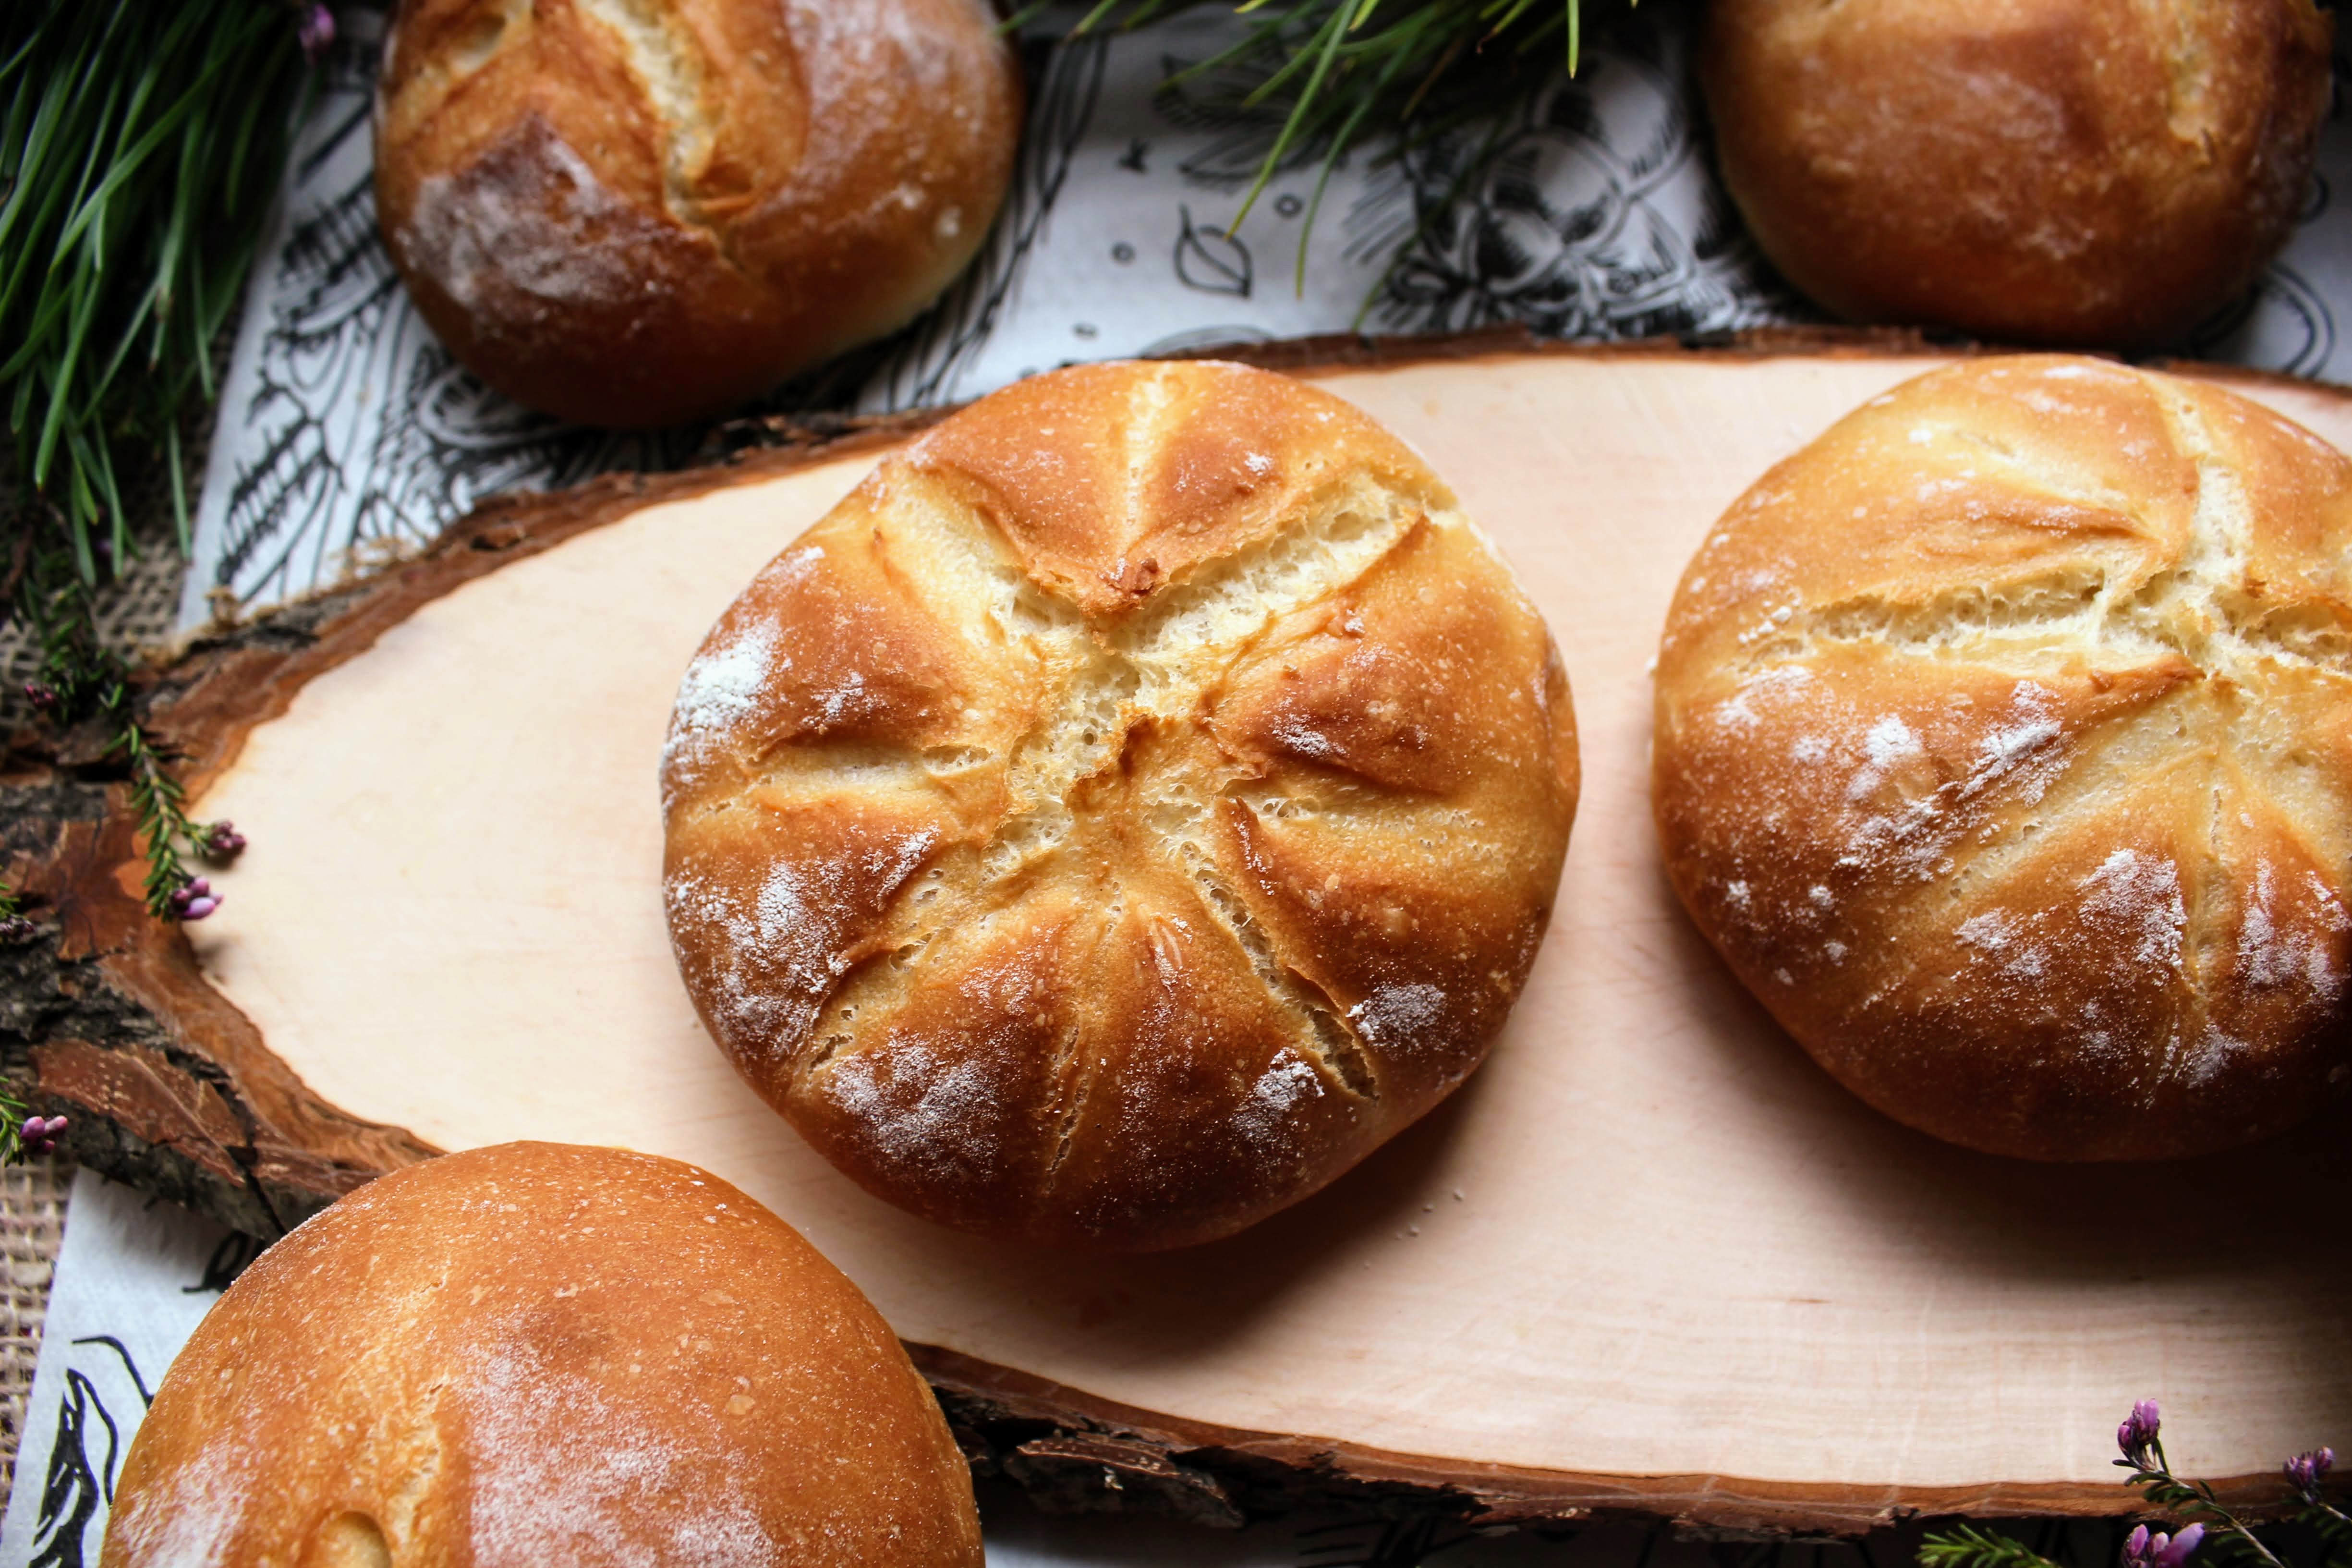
(544, 1353)
(2004, 749)
(638, 212)
(2061, 172)
(1139, 799)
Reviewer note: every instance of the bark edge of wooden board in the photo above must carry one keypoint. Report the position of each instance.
(1073, 1453)
(171, 1089)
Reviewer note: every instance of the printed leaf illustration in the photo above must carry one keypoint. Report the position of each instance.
(1211, 261)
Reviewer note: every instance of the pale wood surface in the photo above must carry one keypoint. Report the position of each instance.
(1648, 1238)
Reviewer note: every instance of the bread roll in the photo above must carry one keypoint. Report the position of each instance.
(1137, 800)
(639, 212)
(2064, 172)
(2004, 750)
(537, 1353)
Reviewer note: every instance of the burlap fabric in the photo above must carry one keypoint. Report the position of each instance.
(32, 1223)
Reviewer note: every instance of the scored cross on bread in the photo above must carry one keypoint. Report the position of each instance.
(1131, 806)
(2004, 748)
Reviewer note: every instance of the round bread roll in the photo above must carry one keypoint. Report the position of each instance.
(2066, 171)
(540, 1354)
(2004, 750)
(640, 212)
(1137, 800)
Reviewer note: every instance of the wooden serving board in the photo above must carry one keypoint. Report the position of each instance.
(1649, 1258)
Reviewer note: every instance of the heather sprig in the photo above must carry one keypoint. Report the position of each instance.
(2140, 1441)
(2307, 1474)
(23, 1135)
(82, 679)
(174, 892)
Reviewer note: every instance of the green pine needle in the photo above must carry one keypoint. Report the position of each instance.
(1343, 72)
(141, 146)
(1966, 1546)
(139, 153)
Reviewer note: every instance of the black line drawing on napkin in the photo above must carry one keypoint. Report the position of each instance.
(79, 1487)
(1591, 212)
(1211, 259)
(229, 1257)
(2282, 323)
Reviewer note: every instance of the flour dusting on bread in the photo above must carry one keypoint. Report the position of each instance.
(2048, 692)
(1182, 696)
(561, 1471)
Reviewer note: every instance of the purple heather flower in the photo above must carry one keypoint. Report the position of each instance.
(2306, 1471)
(2143, 1550)
(224, 840)
(316, 30)
(195, 901)
(39, 1134)
(43, 697)
(2137, 1433)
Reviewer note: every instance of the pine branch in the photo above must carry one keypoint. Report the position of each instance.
(82, 679)
(1966, 1546)
(2142, 1445)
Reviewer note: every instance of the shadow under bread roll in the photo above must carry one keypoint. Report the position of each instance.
(543, 1354)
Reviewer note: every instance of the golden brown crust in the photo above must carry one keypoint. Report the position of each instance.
(2004, 749)
(635, 213)
(1124, 812)
(539, 1352)
(2030, 170)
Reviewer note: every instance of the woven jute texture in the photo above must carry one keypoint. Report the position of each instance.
(32, 1223)
(139, 601)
